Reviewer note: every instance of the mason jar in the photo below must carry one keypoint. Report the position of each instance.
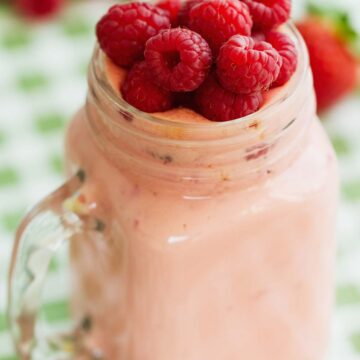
(188, 241)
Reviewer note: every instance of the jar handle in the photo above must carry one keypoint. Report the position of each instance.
(42, 232)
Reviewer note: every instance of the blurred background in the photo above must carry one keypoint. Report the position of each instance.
(43, 63)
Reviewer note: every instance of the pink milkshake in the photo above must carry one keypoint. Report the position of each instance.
(219, 236)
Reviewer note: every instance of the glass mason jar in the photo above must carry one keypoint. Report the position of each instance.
(189, 241)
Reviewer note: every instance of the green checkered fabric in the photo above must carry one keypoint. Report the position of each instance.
(43, 82)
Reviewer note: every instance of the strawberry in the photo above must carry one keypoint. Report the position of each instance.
(38, 8)
(333, 64)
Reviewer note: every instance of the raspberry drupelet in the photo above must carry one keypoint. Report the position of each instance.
(245, 66)
(218, 104)
(124, 30)
(269, 14)
(217, 20)
(178, 59)
(140, 91)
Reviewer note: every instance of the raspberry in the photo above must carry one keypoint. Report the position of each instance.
(172, 8)
(287, 50)
(245, 66)
(141, 92)
(268, 14)
(218, 104)
(218, 20)
(178, 59)
(124, 30)
(38, 8)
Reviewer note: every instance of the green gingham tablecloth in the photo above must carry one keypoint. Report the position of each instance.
(43, 82)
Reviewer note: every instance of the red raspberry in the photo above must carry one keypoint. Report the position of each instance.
(245, 66)
(218, 20)
(218, 104)
(38, 8)
(268, 14)
(184, 13)
(124, 30)
(178, 59)
(172, 8)
(287, 50)
(141, 92)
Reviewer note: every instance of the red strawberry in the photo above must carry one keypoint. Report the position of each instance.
(38, 8)
(333, 65)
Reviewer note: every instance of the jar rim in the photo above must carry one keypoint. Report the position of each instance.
(121, 104)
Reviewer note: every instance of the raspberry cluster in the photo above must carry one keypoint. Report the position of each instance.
(223, 54)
